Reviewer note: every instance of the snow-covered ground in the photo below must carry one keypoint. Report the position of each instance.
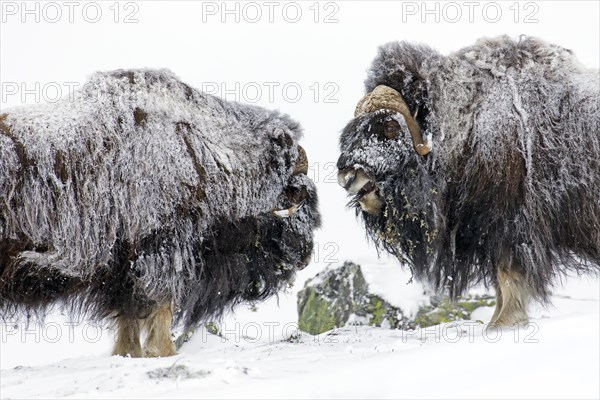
(260, 354)
(325, 54)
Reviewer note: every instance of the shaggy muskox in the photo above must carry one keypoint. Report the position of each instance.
(480, 167)
(141, 198)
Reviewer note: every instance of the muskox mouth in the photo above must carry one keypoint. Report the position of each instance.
(287, 212)
(369, 200)
(366, 192)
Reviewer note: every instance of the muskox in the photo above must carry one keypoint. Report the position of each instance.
(481, 167)
(142, 199)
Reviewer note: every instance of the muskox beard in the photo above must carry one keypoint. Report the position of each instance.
(411, 224)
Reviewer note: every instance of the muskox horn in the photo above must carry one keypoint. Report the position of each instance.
(301, 162)
(385, 97)
(301, 168)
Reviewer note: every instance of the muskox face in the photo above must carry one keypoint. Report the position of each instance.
(374, 147)
(297, 211)
(381, 142)
(384, 166)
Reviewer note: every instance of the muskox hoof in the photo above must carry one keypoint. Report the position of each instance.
(166, 349)
(128, 339)
(132, 352)
(512, 297)
(508, 320)
(159, 343)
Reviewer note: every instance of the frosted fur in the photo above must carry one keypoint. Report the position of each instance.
(513, 180)
(130, 183)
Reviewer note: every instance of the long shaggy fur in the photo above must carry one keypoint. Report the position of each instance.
(141, 191)
(513, 180)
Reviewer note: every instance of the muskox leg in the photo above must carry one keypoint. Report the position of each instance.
(158, 342)
(498, 303)
(512, 297)
(128, 338)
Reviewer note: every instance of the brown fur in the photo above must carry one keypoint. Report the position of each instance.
(512, 297)
(158, 340)
(128, 339)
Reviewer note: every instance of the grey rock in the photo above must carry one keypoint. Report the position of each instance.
(340, 295)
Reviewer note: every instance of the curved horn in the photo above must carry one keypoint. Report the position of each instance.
(296, 200)
(385, 97)
(301, 162)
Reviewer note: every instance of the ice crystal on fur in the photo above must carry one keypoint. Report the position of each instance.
(513, 181)
(141, 190)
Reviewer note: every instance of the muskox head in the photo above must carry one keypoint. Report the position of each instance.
(384, 166)
(382, 137)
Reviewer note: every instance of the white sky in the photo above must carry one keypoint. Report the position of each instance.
(191, 39)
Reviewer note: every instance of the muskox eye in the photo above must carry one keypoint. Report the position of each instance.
(391, 129)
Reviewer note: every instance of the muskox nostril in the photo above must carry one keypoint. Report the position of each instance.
(346, 177)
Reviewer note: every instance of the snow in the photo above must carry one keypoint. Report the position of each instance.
(262, 361)
(373, 362)
(262, 355)
(394, 284)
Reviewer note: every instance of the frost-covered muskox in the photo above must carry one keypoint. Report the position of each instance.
(480, 167)
(140, 197)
